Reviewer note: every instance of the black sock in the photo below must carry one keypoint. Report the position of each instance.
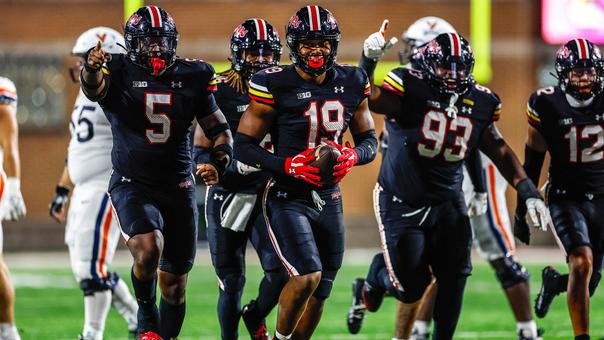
(229, 307)
(375, 276)
(172, 317)
(562, 283)
(148, 315)
(582, 337)
(447, 307)
(269, 291)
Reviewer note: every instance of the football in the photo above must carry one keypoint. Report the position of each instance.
(326, 157)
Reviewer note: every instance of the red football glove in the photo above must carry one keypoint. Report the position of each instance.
(346, 161)
(298, 167)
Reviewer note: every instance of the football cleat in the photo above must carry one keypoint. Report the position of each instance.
(149, 336)
(548, 291)
(256, 328)
(356, 313)
(522, 336)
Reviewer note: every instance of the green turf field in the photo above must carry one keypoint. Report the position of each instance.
(56, 313)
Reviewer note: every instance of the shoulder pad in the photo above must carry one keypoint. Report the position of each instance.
(8, 91)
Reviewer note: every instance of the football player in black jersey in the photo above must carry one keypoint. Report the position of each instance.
(233, 207)
(436, 116)
(150, 98)
(489, 226)
(568, 122)
(302, 105)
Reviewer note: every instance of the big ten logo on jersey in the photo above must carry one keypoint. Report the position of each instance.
(446, 138)
(242, 108)
(81, 122)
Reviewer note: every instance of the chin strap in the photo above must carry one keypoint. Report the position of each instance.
(451, 110)
(158, 65)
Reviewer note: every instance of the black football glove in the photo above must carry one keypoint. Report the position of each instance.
(61, 198)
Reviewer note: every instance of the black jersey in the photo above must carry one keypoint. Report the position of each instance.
(233, 104)
(427, 148)
(575, 140)
(307, 113)
(151, 117)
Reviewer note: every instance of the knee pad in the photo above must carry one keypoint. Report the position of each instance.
(509, 272)
(232, 283)
(323, 289)
(91, 286)
(593, 283)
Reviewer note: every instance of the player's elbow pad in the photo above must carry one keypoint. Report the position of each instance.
(248, 151)
(365, 146)
(533, 161)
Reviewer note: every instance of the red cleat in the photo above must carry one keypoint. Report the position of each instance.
(149, 336)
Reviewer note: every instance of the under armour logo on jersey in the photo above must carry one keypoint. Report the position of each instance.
(177, 84)
(218, 197)
(137, 83)
(466, 109)
(338, 89)
(281, 194)
(600, 117)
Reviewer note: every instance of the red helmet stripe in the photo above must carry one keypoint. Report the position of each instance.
(155, 16)
(260, 29)
(455, 44)
(314, 17)
(583, 48)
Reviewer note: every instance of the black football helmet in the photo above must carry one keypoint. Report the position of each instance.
(254, 35)
(151, 38)
(579, 53)
(448, 61)
(312, 23)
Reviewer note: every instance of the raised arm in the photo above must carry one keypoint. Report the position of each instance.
(92, 79)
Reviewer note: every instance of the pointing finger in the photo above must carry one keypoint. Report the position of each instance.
(384, 27)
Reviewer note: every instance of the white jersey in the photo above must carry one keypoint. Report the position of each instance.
(89, 153)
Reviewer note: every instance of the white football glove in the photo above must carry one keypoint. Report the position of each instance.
(537, 214)
(478, 204)
(13, 205)
(245, 169)
(375, 46)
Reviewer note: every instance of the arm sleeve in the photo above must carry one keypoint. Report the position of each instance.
(249, 151)
(365, 146)
(474, 167)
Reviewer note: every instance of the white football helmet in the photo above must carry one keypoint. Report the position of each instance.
(110, 41)
(420, 32)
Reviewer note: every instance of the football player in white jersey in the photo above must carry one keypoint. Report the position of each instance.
(12, 206)
(92, 232)
(487, 208)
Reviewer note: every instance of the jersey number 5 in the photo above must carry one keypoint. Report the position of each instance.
(590, 154)
(435, 128)
(331, 117)
(160, 134)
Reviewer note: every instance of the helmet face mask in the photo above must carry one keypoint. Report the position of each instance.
(151, 39)
(580, 69)
(448, 61)
(254, 46)
(313, 36)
